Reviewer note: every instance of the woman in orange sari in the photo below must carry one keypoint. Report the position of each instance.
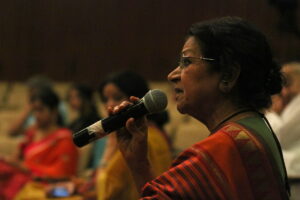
(226, 76)
(47, 152)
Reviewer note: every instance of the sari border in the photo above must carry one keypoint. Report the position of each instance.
(250, 145)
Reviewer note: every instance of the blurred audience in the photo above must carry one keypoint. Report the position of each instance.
(26, 118)
(47, 152)
(80, 99)
(285, 120)
(114, 180)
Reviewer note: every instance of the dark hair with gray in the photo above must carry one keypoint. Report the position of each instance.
(232, 41)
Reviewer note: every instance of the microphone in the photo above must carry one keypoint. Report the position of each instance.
(154, 101)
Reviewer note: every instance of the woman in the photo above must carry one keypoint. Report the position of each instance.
(114, 180)
(48, 151)
(80, 99)
(225, 76)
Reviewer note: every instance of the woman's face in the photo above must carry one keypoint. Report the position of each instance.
(43, 115)
(196, 87)
(74, 99)
(113, 96)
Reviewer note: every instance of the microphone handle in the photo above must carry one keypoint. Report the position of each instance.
(108, 125)
(85, 137)
(118, 121)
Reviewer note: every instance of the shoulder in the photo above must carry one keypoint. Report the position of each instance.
(62, 133)
(224, 143)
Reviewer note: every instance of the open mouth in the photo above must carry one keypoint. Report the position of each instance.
(177, 90)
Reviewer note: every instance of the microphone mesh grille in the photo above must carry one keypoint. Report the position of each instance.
(155, 101)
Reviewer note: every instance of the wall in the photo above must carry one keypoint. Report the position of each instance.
(77, 40)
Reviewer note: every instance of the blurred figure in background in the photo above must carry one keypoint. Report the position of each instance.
(80, 99)
(26, 118)
(114, 180)
(285, 120)
(47, 151)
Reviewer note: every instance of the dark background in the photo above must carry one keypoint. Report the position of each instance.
(84, 40)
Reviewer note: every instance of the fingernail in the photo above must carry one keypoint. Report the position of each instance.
(116, 108)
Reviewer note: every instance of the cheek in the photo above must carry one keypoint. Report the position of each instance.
(190, 85)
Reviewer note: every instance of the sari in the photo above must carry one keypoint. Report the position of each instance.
(239, 161)
(114, 182)
(52, 157)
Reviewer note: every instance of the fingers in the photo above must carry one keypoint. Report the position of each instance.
(134, 99)
(123, 105)
(136, 126)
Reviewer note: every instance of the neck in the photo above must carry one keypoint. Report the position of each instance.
(48, 128)
(225, 112)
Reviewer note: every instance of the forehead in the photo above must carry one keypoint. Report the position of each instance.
(191, 47)
(38, 104)
(111, 88)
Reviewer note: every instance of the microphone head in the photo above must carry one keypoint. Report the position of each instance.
(155, 101)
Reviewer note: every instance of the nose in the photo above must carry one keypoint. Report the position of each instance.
(174, 76)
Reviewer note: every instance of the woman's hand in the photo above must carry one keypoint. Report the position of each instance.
(132, 139)
(133, 144)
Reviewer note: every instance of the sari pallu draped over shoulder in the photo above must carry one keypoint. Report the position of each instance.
(230, 164)
(55, 156)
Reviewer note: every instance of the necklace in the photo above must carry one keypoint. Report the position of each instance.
(231, 116)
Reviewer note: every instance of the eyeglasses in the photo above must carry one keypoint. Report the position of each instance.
(186, 61)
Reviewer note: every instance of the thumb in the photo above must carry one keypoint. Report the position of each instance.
(131, 125)
(137, 127)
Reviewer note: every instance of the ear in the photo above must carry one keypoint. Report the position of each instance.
(229, 78)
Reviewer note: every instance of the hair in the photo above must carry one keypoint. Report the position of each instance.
(132, 84)
(232, 42)
(48, 98)
(86, 96)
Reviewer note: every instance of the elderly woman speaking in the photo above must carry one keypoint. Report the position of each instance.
(225, 78)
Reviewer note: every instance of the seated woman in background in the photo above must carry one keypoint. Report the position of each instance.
(47, 151)
(114, 180)
(80, 99)
(26, 118)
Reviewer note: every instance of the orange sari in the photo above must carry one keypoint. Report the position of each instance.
(233, 163)
(54, 156)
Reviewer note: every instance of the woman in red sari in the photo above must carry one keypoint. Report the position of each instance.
(226, 76)
(47, 152)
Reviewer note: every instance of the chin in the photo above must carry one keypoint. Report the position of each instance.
(181, 109)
